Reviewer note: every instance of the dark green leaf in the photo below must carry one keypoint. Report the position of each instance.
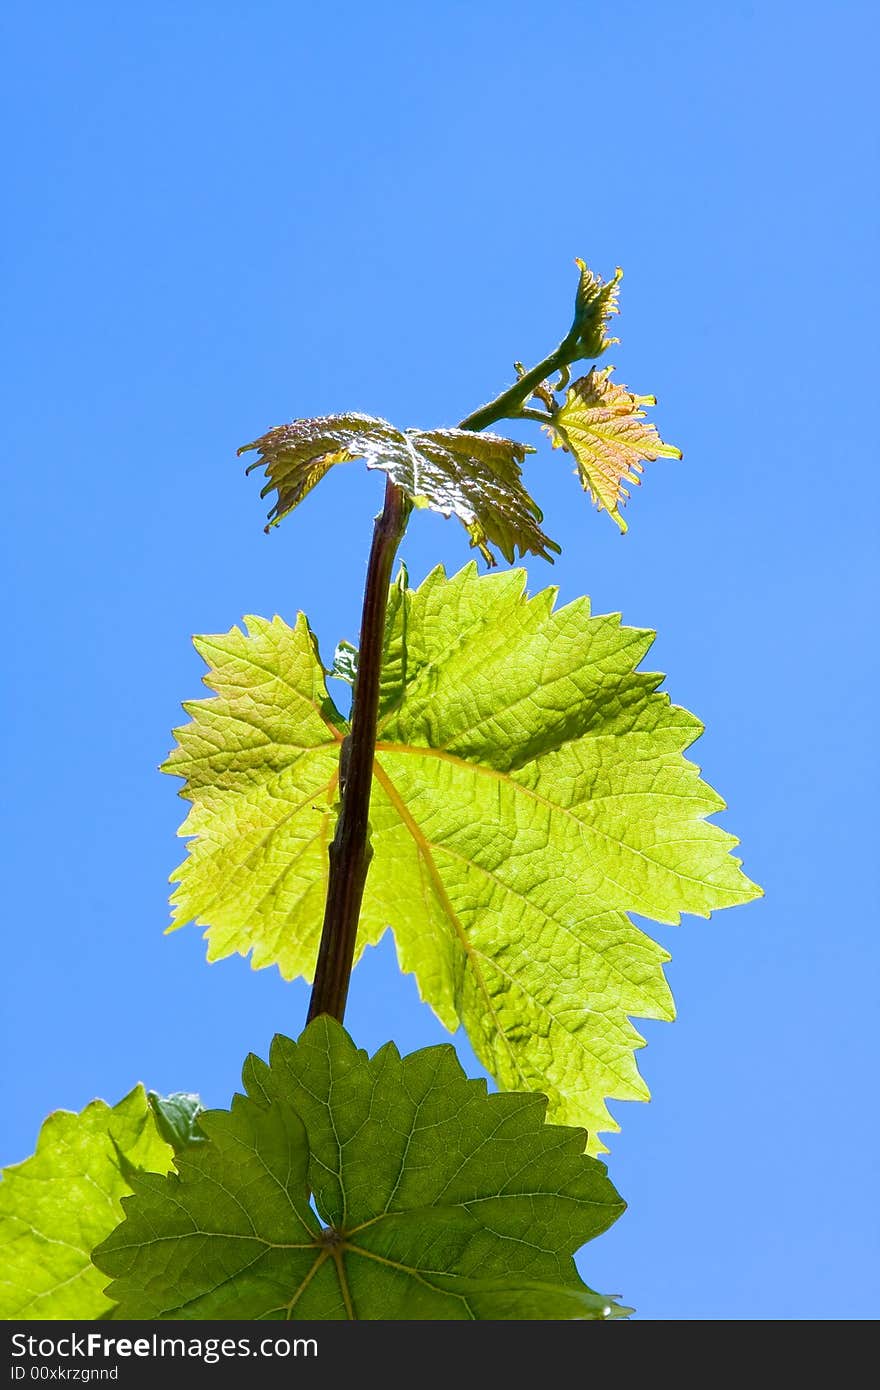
(431, 1200)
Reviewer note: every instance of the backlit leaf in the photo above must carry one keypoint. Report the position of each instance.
(345, 663)
(261, 763)
(58, 1204)
(530, 791)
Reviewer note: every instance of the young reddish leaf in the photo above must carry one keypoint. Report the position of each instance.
(473, 476)
(604, 426)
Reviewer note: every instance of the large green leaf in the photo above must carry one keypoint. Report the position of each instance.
(529, 792)
(432, 1200)
(474, 476)
(603, 425)
(57, 1205)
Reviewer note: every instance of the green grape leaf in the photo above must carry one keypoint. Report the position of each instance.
(530, 791)
(603, 425)
(58, 1204)
(595, 303)
(474, 476)
(431, 1199)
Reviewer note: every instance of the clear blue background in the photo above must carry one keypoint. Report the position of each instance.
(222, 216)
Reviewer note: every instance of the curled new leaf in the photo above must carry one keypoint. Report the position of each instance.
(345, 663)
(604, 426)
(431, 1199)
(177, 1117)
(462, 473)
(595, 303)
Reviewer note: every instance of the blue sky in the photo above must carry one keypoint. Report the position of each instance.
(223, 216)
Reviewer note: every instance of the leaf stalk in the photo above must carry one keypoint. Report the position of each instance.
(509, 405)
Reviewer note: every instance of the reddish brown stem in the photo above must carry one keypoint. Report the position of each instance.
(350, 852)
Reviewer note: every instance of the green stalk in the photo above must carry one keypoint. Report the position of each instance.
(509, 404)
